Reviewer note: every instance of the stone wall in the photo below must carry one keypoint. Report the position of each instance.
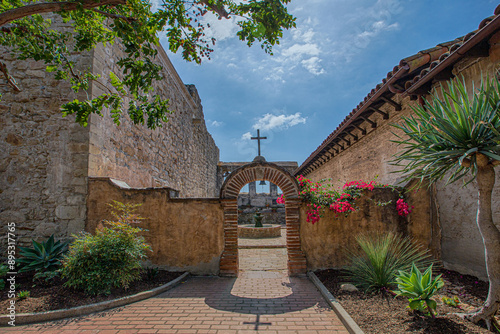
(180, 155)
(454, 207)
(43, 156)
(325, 242)
(185, 234)
(45, 159)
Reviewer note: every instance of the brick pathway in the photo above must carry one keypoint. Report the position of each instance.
(258, 301)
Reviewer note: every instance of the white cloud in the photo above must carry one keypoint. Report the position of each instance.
(301, 50)
(270, 121)
(219, 29)
(313, 65)
(246, 136)
(217, 124)
(364, 38)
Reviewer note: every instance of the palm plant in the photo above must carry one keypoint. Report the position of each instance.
(456, 135)
(373, 265)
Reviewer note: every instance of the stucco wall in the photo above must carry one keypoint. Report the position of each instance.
(185, 234)
(324, 243)
(454, 207)
(181, 154)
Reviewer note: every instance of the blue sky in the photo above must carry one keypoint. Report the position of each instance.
(321, 70)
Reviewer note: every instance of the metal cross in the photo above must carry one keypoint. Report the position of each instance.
(257, 323)
(258, 138)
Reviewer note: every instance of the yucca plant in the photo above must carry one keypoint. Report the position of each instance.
(43, 257)
(374, 264)
(456, 135)
(419, 288)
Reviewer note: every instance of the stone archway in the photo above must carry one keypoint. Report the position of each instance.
(261, 171)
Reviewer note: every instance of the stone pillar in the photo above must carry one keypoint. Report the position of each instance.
(296, 258)
(252, 189)
(273, 189)
(229, 258)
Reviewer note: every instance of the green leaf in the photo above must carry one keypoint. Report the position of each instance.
(415, 304)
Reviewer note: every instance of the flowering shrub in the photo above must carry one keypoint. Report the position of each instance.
(281, 199)
(321, 195)
(403, 207)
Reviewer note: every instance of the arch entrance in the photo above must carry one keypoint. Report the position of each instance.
(260, 170)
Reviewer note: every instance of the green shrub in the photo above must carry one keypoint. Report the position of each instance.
(23, 294)
(419, 288)
(43, 257)
(3, 271)
(110, 258)
(374, 264)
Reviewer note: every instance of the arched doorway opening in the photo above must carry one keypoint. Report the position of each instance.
(261, 170)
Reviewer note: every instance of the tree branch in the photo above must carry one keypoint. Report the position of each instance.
(218, 8)
(10, 79)
(47, 7)
(495, 163)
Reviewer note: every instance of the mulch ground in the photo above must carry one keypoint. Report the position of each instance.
(376, 313)
(48, 297)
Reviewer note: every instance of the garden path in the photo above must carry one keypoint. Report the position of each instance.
(263, 299)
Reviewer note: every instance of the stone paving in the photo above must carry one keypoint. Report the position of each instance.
(263, 299)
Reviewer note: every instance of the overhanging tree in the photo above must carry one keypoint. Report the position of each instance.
(30, 35)
(456, 135)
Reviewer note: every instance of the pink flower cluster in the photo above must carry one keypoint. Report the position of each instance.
(313, 214)
(281, 199)
(360, 185)
(403, 208)
(342, 207)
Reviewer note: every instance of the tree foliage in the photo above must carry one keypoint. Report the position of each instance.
(31, 35)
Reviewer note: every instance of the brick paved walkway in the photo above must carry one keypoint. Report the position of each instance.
(258, 301)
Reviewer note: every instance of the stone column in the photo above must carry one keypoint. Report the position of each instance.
(273, 189)
(252, 189)
(229, 258)
(296, 258)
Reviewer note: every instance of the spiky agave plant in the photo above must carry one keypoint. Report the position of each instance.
(373, 265)
(456, 135)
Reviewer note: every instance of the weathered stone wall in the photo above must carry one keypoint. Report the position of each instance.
(45, 159)
(185, 234)
(454, 207)
(43, 156)
(325, 242)
(181, 155)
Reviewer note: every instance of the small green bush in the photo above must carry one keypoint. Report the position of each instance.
(23, 294)
(374, 264)
(109, 259)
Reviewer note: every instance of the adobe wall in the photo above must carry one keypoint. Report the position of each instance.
(43, 156)
(180, 155)
(185, 234)
(324, 243)
(455, 207)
